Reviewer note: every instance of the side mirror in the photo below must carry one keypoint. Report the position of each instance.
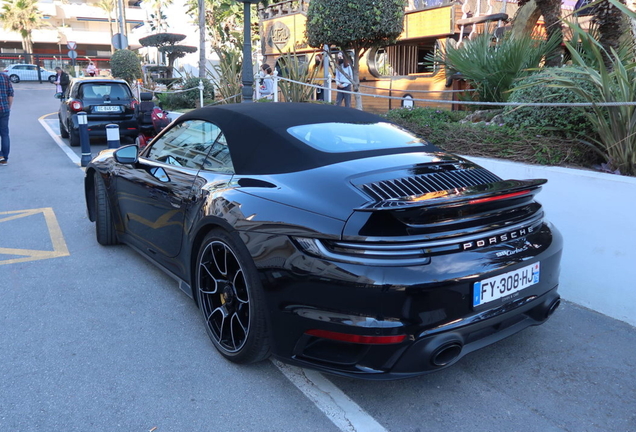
(127, 155)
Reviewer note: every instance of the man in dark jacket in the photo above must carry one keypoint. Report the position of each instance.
(62, 79)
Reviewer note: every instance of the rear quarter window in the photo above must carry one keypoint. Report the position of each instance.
(349, 138)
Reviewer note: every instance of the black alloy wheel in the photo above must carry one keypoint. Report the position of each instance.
(63, 131)
(104, 224)
(52, 78)
(231, 299)
(14, 79)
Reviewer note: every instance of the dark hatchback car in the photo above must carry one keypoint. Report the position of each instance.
(105, 101)
(331, 238)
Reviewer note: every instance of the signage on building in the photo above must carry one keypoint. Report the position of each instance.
(278, 35)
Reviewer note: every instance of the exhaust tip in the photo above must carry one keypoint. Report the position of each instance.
(553, 307)
(446, 354)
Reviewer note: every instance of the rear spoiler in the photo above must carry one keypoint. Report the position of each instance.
(505, 189)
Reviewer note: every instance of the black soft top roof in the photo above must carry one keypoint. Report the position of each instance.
(259, 143)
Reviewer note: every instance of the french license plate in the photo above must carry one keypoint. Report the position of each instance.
(107, 108)
(505, 284)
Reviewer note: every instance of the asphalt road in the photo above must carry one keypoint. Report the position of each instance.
(96, 338)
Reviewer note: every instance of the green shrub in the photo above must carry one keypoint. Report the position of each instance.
(492, 69)
(424, 116)
(126, 64)
(537, 88)
(228, 72)
(187, 99)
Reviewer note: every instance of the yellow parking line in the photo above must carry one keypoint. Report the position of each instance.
(57, 239)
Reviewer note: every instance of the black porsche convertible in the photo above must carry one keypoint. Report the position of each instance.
(330, 238)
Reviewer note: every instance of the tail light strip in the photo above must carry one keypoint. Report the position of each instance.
(359, 339)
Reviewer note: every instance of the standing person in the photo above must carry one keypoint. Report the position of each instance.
(342, 82)
(267, 83)
(62, 79)
(91, 70)
(318, 66)
(6, 100)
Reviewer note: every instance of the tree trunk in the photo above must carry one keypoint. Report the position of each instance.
(110, 28)
(27, 47)
(202, 71)
(551, 11)
(611, 26)
(526, 18)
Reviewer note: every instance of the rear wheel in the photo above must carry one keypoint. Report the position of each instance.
(63, 131)
(14, 78)
(231, 298)
(52, 78)
(73, 138)
(104, 225)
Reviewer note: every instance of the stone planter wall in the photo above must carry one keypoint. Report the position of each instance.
(595, 212)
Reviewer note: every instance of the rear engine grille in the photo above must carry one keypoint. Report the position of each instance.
(427, 183)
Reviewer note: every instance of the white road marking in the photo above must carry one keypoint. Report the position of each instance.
(337, 406)
(66, 149)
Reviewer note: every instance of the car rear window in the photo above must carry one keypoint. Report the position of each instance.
(104, 91)
(351, 137)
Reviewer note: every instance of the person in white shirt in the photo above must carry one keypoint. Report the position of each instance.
(91, 70)
(342, 82)
(266, 89)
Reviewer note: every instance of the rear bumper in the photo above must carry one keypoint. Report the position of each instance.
(425, 353)
(97, 128)
(429, 305)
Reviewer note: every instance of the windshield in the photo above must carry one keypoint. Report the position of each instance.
(350, 137)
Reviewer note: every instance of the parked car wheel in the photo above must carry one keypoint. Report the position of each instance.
(14, 79)
(73, 139)
(104, 226)
(231, 299)
(63, 131)
(52, 78)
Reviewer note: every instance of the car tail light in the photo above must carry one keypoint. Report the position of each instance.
(360, 339)
(499, 197)
(76, 106)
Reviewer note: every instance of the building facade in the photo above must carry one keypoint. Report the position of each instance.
(81, 22)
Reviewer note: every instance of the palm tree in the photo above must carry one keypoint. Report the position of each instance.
(158, 19)
(108, 6)
(22, 16)
(551, 11)
(612, 24)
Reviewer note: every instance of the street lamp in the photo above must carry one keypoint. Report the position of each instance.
(247, 75)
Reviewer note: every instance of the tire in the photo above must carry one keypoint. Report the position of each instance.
(14, 79)
(63, 131)
(231, 299)
(52, 78)
(73, 139)
(104, 225)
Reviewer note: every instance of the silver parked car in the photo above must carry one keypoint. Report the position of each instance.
(28, 72)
